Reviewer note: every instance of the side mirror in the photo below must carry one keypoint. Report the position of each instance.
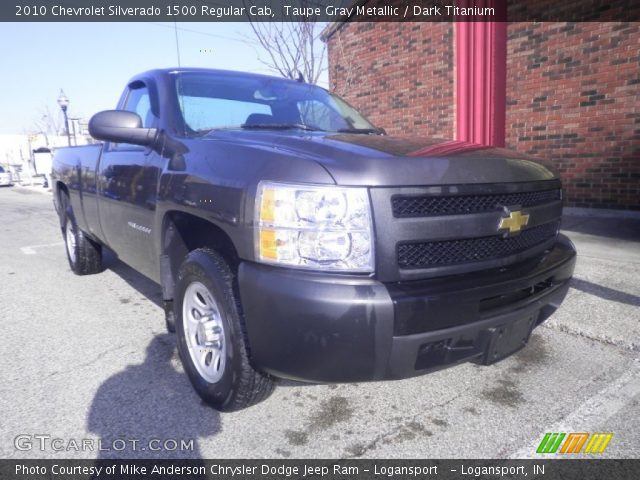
(120, 126)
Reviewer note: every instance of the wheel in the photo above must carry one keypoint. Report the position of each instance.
(84, 255)
(211, 337)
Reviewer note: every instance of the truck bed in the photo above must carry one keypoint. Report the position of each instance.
(76, 168)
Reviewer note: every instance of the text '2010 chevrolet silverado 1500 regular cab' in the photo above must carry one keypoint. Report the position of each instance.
(291, 238)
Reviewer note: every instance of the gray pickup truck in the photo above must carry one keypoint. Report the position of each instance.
(292, 238)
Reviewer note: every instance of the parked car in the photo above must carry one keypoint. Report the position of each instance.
(5, 177)
(292, 238)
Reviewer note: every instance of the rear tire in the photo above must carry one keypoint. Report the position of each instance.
(84, 255)
(211, 338)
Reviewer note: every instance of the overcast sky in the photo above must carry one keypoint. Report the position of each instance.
(93, 61)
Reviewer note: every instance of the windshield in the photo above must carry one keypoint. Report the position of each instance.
(214, 101)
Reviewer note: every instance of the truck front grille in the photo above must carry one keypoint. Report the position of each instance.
(453, 252)
(405, 206)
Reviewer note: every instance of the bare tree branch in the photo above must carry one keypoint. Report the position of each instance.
(291, 48)
(348, 63)
(46, 122)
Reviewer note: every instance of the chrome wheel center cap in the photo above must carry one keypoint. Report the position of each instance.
(209, 333)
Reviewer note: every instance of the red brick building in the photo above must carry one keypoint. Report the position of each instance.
(572, 94)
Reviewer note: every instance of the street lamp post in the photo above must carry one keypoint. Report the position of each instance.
(63, 101)
(74, 121)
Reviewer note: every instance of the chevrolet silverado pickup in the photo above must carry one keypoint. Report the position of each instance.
(292, 238)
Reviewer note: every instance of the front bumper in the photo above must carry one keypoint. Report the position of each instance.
(333, 328)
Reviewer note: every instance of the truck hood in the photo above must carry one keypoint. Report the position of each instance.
(383, 160)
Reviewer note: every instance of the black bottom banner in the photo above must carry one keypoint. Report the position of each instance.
(578, 469)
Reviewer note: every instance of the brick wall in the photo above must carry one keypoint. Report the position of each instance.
(573, 94)
(400, 75)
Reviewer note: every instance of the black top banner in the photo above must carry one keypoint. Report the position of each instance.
(319, 10)
(578, 469)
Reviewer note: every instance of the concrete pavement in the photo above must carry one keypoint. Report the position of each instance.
(88, 358)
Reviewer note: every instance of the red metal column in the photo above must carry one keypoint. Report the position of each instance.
(481, 69)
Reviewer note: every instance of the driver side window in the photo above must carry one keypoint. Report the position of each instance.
(138, 102)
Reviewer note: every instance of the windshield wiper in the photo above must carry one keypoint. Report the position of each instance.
(279, 126)
(366, 131)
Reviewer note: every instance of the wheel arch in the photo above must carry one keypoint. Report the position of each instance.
(60, 189)
(184, 232)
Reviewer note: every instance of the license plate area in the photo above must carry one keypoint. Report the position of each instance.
(508, 338)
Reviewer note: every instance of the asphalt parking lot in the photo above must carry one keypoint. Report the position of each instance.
(89, 358)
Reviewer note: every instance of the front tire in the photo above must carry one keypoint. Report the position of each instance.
(211, 337)
(84, 255)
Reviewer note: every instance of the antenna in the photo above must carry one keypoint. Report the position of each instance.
(175, 29)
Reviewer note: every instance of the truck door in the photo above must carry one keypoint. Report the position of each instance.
(128, 182)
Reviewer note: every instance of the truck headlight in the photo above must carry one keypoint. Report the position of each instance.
(314, 227)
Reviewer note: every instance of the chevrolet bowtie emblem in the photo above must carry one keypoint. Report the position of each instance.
(514, 222)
